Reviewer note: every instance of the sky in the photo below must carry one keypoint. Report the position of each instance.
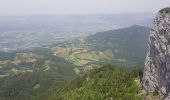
(36, 7)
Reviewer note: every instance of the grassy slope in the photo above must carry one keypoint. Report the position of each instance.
(103, 83)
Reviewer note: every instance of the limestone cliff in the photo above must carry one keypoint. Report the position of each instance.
(156, 75)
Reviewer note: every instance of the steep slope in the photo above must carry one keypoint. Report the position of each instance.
(106, 83)
(156, 75)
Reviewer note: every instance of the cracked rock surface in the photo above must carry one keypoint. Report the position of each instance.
(156, 73)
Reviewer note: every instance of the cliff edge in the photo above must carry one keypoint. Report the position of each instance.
(156, 75)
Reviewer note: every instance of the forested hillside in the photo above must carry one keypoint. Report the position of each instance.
(107, 83)
(32, 75)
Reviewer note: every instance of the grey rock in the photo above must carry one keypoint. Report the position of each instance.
(156, 73)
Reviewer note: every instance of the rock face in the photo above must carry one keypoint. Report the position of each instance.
(156, 75)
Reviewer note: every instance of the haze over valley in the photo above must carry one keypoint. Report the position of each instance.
(23, 32)
(84, 50)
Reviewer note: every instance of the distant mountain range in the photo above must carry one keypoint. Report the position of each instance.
(128, 43)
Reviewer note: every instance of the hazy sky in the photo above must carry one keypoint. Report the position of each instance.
(22, 7)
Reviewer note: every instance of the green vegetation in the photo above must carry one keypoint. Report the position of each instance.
(49, 71)
(165, 10)
(109, 82)
(123, 47)
(156, 91)
(32, 75)
(128, 43)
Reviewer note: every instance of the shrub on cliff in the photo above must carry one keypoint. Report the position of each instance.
(166, 10)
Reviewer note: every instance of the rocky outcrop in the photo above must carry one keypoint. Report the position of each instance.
(156, 75)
